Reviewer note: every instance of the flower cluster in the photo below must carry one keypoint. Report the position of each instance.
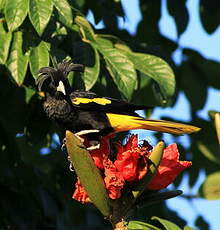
(130, 165)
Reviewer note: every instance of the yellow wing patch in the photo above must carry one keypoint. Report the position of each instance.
(100, 101)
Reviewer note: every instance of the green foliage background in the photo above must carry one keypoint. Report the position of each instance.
(36, 189)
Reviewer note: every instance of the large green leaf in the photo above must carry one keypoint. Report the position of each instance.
(138, 225)
(18, 60)
(65, 12)
(210, 189)
(4, 44)
(86, 30)
(39, 57)
(39, 13)
(167, 224)
(155, 68)
(91, 73)
(15, 13)
(119, 66)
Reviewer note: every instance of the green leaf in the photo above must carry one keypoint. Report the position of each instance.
(39, 13)
(210, 151)
(152, 198)
(119, 66)
(28, 94)
(167, 224)
(39, 57)
(189, 72)
(210, 15)
(2, 4)
(180, 14)
(88, 173)
(4, 44)
(210, 189)
(155, 68)
(91, 74)
(18, 60)
(138, 225)
(65, 12)
(188, 228)
(86, 30)
(15, 13)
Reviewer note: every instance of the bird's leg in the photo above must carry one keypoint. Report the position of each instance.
(94, 144)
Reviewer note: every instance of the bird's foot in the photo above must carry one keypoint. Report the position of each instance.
(63, 146)
(71, 168)
(94, 144)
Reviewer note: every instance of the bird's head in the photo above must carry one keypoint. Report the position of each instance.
(54, 80)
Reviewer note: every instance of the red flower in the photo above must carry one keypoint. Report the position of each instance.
(98, 155)
(169, 168)
(132, 160)
(131, 165)
(80, 193)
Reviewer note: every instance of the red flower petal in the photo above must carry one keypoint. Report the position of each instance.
(114, 181)
(131, 159)
(132, 143)
(80, 193)
(169, 168)
(98, 155)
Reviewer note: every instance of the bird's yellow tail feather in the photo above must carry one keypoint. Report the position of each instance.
(120, 122)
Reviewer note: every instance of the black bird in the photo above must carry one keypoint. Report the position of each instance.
(85, 113)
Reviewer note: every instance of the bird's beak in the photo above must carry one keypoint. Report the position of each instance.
(61, 88)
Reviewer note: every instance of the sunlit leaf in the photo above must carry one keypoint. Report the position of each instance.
(119, 66)
(168, 225)
(4, 44)
(39, 13)
(39, 57)
(85, 28)
(18, 60)
(91, 74)
(138, 225)
(210, 151)
(65, 12)
(188, 228)
(15, 13)
(211, 187)
(2, 4)
(157, 69)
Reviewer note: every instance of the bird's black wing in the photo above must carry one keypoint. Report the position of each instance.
(87, 100)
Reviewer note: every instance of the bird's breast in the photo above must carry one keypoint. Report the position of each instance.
(57, 109)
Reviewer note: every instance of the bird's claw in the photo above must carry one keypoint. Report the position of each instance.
(94, 144)
(71, 168)
(63, 146)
